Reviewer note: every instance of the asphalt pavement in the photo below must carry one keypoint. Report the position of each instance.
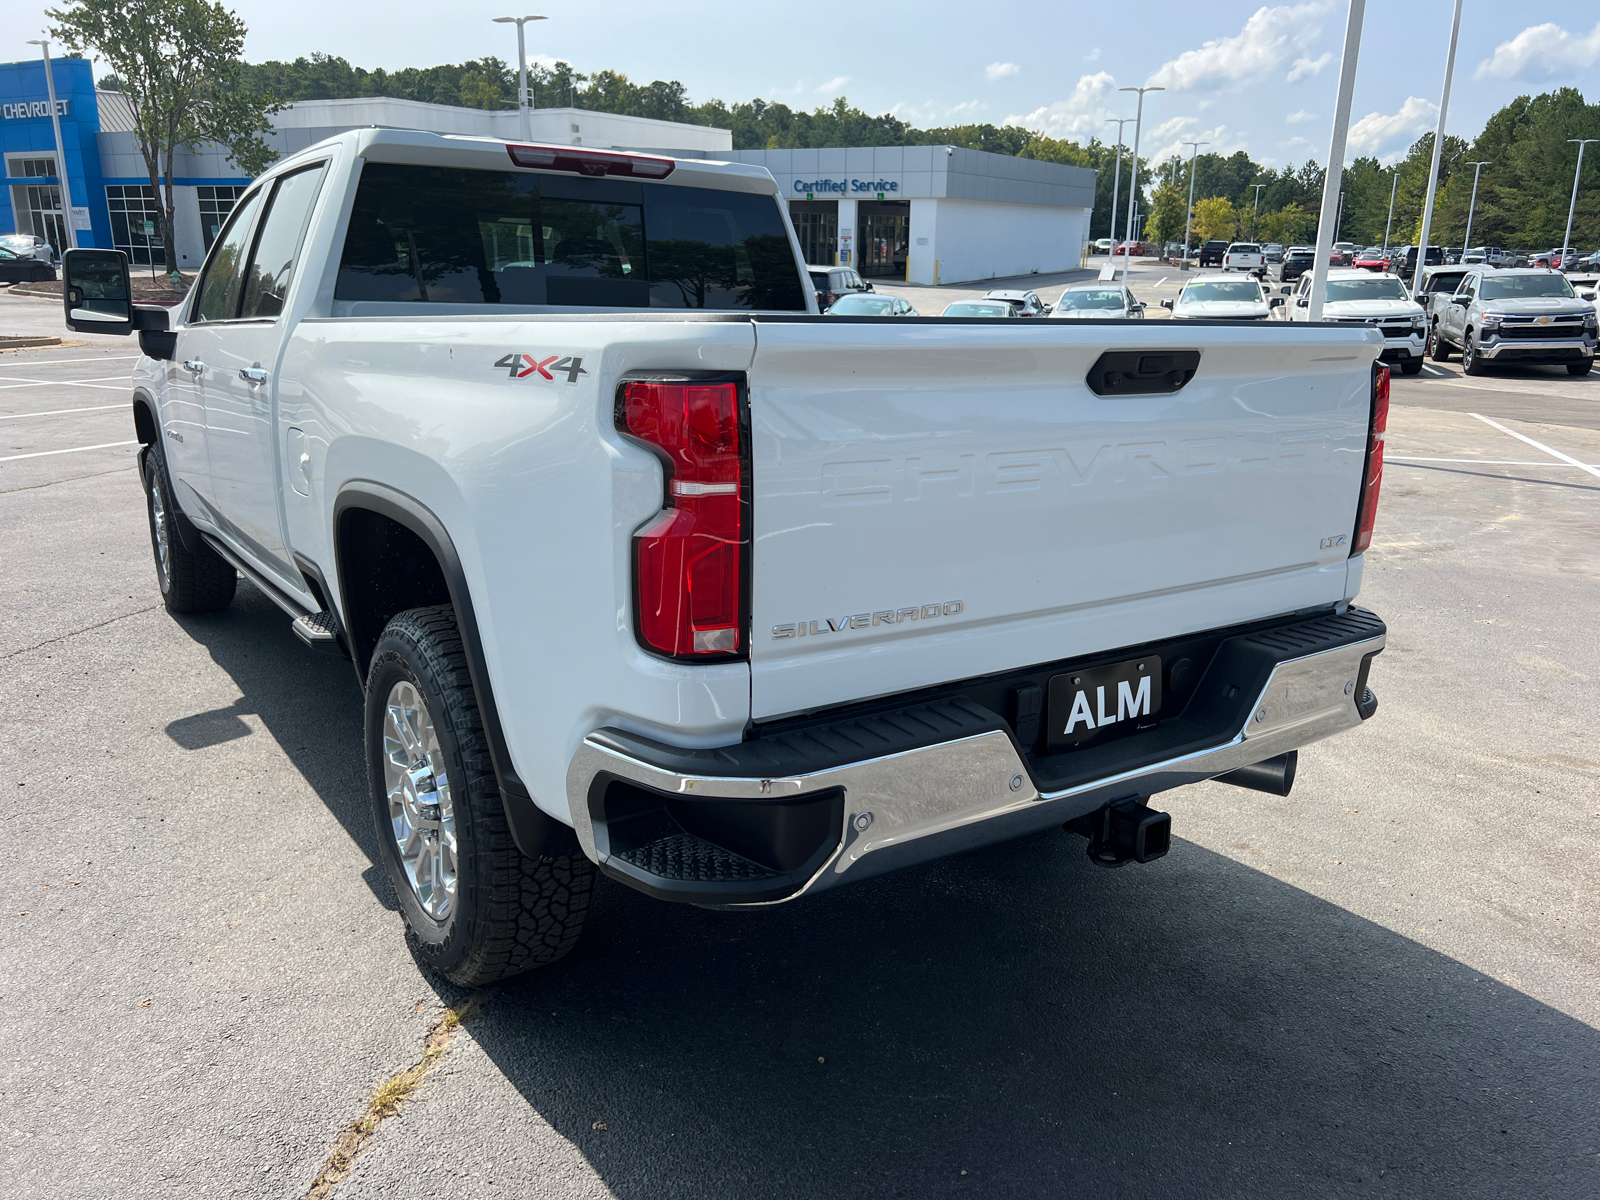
(1387, 984)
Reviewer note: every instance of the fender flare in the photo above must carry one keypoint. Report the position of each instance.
(537, 834)
(147, 429)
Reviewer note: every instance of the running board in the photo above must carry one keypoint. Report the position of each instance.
(320, 631)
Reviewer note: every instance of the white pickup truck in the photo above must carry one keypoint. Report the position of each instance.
(644, 565)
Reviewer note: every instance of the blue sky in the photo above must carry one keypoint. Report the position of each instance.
(1239, 75)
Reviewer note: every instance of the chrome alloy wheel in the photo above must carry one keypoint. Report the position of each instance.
(421, 812)
(160, 531)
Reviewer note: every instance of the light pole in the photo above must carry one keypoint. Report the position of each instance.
(1255, 213)
(1116, 181)
(1133, 185)
(1477, 169)
(1566, 238)
(61, 153)
(1327, 217)
(1438, 149)
(1392, 187)
(522, 71)
(1188, 221)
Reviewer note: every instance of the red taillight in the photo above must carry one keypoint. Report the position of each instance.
(1372, 480)
(689, 561)
(590, 162)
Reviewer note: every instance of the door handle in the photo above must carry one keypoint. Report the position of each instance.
(194, 364)
(255, 374)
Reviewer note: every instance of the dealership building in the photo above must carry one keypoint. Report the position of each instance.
(924, 214)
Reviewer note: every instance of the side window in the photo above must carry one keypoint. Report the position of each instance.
(272, 265)
(219, 290)
(1468, 287)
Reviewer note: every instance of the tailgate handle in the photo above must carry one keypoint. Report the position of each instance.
(1142, 372)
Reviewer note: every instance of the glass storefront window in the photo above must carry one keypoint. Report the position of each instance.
(136, 223)
(215, 205)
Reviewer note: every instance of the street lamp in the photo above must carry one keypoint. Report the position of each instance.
(522, 71)
(1116, 185)
(1188, 220)
(1392, 188)
(1566, 238)
(1477, 169)
(1255, 212)
(1133, 186)
(61, 154)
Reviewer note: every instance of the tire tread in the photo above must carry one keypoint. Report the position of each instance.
(527, 912)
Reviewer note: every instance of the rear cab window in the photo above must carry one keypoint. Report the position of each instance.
(460, 236)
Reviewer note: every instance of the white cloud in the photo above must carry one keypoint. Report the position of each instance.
(934, 113)
(1546, 48)
(1093, 55)
(1304, 68)
(1267, 39)
(1080, 115)
(833, 85)
(1376, 130)
(1295, 118)
(1221, 141)
(1001, 70)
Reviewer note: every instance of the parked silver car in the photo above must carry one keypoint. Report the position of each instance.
(1526, 316)
(1097, 301)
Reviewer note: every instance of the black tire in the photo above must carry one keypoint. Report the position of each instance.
(191, 581)
(1438, 348)
(1580, 368)
(1472, 362)
(1411, 366)
(41, 275)
(510, 913)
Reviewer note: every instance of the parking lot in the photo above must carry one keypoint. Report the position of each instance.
(1387, 984)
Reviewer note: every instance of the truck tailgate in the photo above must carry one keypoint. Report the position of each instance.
(938, 501)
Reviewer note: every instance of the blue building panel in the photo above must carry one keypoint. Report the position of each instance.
(25, 129)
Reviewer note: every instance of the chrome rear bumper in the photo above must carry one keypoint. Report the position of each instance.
(954, 795)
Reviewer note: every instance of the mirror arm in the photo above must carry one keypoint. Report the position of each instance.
(151, 316)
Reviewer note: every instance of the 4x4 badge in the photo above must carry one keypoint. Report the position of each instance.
(520, 366)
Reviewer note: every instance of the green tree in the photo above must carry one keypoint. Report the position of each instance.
(1290, 225)
(177, 62)
(1168, 205)
(1215, 217)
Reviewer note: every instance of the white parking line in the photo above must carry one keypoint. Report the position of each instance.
(74, 450)
(53, 362)
(1436, 372)
(56, 412)
(1482, 462)
(1566, 458)
(16, 381)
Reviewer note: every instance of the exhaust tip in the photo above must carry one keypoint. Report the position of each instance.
(1275, 776)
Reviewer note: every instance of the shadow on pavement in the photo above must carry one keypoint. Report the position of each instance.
(1191, 1028)
(309, 703)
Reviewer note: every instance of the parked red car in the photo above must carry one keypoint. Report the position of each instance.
(1372, 259)
(1136, 249)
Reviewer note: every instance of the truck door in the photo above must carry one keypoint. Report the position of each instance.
(183, 413)
(1455, 312)
(240, 386)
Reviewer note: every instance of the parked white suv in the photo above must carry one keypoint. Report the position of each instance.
(1218, 298)
(1245, 256)
(645, 566)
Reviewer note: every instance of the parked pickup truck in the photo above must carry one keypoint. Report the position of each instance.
(1245, 256)
(643, 565)
(1516, 316)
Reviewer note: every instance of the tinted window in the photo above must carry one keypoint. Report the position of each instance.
(1443, 283)
(267, 281)
(1514, 287)
(1340, 290)
(1221, 289)
(219, 290)
(516, 237)
(1100, 298)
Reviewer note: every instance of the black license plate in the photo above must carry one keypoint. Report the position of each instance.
(1086, 708)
